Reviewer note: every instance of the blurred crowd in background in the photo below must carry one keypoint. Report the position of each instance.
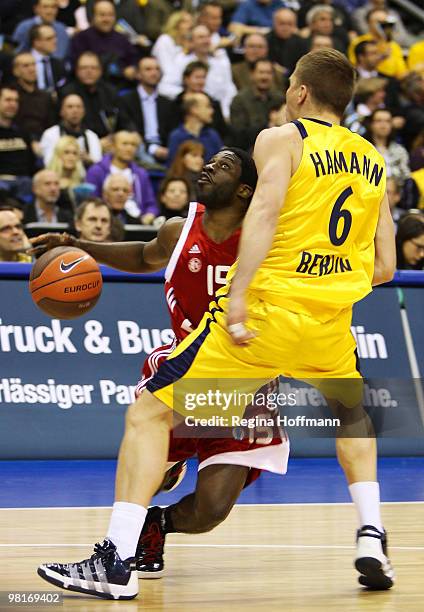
(110, 108)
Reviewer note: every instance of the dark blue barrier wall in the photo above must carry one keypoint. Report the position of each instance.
(65, 385)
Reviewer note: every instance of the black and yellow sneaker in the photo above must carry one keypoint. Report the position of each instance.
(103, 575)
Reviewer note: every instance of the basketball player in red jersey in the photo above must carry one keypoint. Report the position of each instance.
(198, 251)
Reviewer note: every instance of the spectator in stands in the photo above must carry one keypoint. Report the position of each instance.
(381, 133)
(67, 164)
(255, 47)
(12, 237)
(370, 95)
(93, 220)
(173, 40)
(45, 12)
(46, 207)
(117, 54)
(72, 114)
(320, 20)
(51, 73)
(367, 60)
(394, 195)
(37, 110)
(118, 194)
(66, 13)
(198, 114)
(286, 47)
(254, 16)
(100, 98)
(413, 109)
(144, 111)
(380, 30)
(188, 163)
(341, 13)
(145, 18)
(400, 33)
(16, 156)
(416, 57)
(219, 81)
(319, 41)
(210, 15)
(194, 81)
(410, 242)
(174, 197)
(250, 108)
(122, 161)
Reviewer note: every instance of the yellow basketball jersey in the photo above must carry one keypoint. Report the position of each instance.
(322, 256)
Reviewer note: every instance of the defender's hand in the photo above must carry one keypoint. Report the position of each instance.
(45, 242)
(236, 319)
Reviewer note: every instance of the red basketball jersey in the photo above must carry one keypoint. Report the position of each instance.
(196, 270)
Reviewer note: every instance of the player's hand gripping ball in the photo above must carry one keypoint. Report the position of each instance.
(65, 282)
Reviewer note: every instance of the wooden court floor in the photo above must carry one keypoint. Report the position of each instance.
(295, 557)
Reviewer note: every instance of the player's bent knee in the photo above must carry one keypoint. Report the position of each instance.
(210, 515)
(147, 409)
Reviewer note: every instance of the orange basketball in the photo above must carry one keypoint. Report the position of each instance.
(65, 282)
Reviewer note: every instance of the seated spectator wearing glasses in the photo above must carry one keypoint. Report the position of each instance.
(46, 206)
(72, 113)
(17, 162)
(12, 237)
(37, 110)
(122, 161)
(410, 242)
(144, 111)
(45, 12)
(93, 220)
(100, 98)
(117, 54)
(51, 73)
(286, 47)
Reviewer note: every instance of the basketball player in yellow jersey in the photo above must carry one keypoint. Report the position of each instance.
(317, 236)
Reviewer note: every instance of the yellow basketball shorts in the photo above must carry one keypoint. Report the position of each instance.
(287, 343)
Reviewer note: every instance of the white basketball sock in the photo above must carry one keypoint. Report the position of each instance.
(125, 526)
(366, 497)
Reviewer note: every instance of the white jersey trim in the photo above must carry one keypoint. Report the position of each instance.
(273, 458)
(172, 264)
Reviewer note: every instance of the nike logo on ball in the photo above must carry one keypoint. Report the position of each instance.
(67, 267)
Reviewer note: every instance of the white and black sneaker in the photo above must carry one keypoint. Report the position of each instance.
(103, 575)
(371, 559)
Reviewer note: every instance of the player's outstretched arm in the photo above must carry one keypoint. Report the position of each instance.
(137, 257)
(274, 152)
(385, 246)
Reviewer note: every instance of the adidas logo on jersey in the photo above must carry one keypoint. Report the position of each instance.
(194, 249)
